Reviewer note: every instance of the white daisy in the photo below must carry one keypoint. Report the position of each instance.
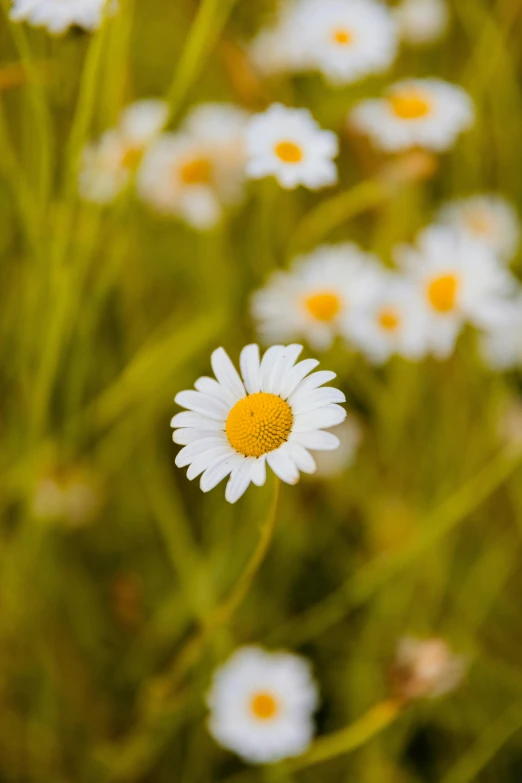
(502, 343)
(290, 145)
(277, 49)
(109, 164)
(393, 322)
(333, 463)
(261, 705)
(421, 22)
(345, 41)
(458, 281)
(428, 113)
(273, 415)
(57, 16)
(319, 298)
(426, 668)
(487, 218)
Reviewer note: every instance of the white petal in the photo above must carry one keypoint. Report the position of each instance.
(268, 361)
(295, 376)
(239, 480)
(308, 401)
(218, 471)
(281, 367)
(227, 374)
(258, 475)
(191, 419)
(249, 363)
(326, 417)
(202, 403)
(302, 458)
(208, 458)
(193, 450)
(283, 466)
(315, 380)
(316, 440)
(188, 435)
(214, 389)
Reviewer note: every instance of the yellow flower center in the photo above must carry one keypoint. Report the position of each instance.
(264, 705)
(196, 171)
(389, 319)
(410, 104)
(132, 156)
(288, 152)
(342, 36)
(323, 306)
(442, 293)
(258, 423)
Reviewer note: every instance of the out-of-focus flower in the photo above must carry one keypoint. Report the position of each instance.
(345, 41)
(425, 668)
(510, 421)
(109, 164)
(57, 16)
(487, 218)
(273, 415)
(502, 343)
(194, 173)
(277, 49)
(421, 22)
(290, 145)
(393, 322)
(319, 298)
(428, 113)
(333, 463)
(72, 498)
(261, 705)
(458, 281)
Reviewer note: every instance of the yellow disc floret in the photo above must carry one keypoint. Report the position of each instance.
(442, 293)
(323, 305)
(410, 104)
(258, 423)
(264, 706)
(288, 152)
(342, 36)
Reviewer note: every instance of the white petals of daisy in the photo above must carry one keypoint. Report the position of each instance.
(57, 16)
(489, 219)
(289, 145)
(261, 705)
(272, 415)
(421, 22)
(502, 342)
(320, 297)
(428, 113)
(330, 464)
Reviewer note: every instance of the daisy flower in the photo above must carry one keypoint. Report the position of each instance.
(421, 22)
(487, 218)
(57, 16)
(426, 668)
(502, 343)
(333, 463)
(393, 322)
(428, 113)
(277, 49)
(194, 173)
(261, 705)
(346, 40)
(290, 145)
(274, 414)
(109, 164)
(319, 298)
(458, 281)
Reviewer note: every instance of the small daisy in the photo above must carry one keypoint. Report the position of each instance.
(57, 16)
(458, 281)
(273, 415)
(487, 218)
(421, 22)
(319, 298)
(333, 463)
(428, 113)
(426, 668)
(502, 343)
(109, 164)
(261, 705)
(290, 145)
(394, 322)
(346, 40)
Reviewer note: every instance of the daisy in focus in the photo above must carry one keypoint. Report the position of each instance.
(426, 668)
(458, 280)
(319, 298)
(427, 113)
(194, 173)
(345, 41)
(58, 16)
(273, 414)
(261, 705)
(421, 22)
(109, 164)
(489, 219)
(289, 145)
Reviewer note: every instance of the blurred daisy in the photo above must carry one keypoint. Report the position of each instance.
(273, 415)
(426, 668)
(428, 113)
(393, 322)
(277, 49)
(319, 298)
(261, 705)
(290, 145)
(109, 164)
(57, 16)
(458, 280)
(194, 173)
(333, 463)
(487, 218)
(73, 498)
(502, 343)
(421, 22)
(346, 41)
